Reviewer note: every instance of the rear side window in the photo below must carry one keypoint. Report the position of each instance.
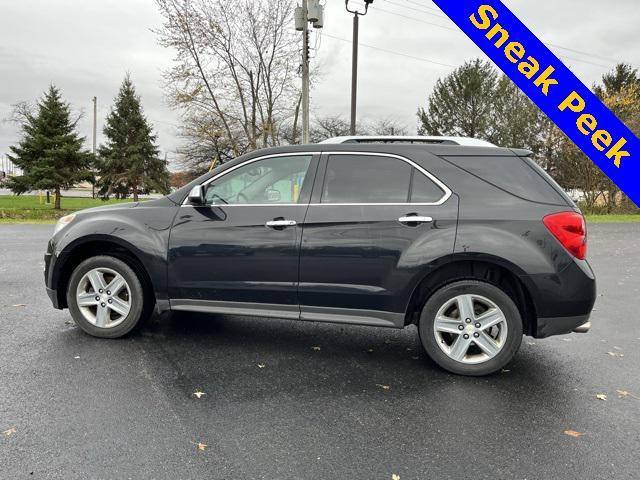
(423, 190)
(511, 174)
(366, 179)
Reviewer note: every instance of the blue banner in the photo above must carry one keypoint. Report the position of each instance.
(552, 87)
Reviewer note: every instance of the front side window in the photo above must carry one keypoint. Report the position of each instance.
(269, 181)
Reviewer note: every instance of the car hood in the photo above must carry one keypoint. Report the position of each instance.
(159, 202)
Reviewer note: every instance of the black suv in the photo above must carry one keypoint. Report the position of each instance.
(474, 244)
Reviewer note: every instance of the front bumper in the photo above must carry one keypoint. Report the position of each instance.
(49, 262)
(53, 295)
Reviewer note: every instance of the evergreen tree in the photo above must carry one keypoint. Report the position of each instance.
(129, 162)
(462, 103)
(50, 153)
(622, 77)
(476, 101)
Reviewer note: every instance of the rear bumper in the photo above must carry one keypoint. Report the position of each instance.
(563, 301)
(550, 326)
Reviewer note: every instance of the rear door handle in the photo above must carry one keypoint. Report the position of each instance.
(280, 223)
(415, 219)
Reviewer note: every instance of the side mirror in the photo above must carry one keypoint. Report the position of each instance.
(196, 195)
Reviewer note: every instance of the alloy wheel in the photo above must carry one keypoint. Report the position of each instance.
(470, 329)
(103, 297)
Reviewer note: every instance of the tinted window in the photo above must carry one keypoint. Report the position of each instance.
(366, 179)
(423, 190)
(512, 175)
(273, 180)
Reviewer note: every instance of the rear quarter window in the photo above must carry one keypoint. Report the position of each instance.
(513, 175)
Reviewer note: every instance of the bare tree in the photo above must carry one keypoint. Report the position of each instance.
(234, 73)
(329, 126)
(386, 127)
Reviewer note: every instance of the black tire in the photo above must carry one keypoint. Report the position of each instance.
(490, 292)
(137, 311)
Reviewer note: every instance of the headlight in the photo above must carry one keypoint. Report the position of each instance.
(63, 222)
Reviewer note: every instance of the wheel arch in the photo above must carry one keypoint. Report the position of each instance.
(92, 246)
(494, 270)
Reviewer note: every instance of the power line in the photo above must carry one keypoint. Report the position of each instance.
(378, 9)
(423, 6)
(393, 52)
(416, 9)
(550, 45)
(580, 52)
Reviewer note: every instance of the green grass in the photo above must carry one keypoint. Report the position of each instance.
(28, 209)
(613, 218)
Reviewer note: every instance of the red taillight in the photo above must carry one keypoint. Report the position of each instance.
(570, 230)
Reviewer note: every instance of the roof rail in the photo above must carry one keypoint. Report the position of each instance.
(463, 141)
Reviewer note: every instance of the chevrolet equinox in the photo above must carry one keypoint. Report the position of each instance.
(474, 244)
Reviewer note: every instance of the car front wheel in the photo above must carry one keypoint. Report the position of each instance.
(105, 297)
(471, 327)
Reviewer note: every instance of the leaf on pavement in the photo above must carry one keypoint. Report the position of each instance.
(395, 476)
(201, 446)
(504, 370)
(617, 348)
(370, 350)
(601, 396)
(77, 357)
(531, 343)
(317, 349)
(9, 432)
(573, 433)
(625, 394)
(19, 305)
(615, 354)
(384, 387)
(199, 394)
(261, 365)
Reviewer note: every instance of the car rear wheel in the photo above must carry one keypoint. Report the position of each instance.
(471, 327)
(105, 297)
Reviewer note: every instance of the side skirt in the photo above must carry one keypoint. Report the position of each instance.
(373, 318)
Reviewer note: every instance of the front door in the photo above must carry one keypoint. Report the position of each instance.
(240, 252)
(375, 224)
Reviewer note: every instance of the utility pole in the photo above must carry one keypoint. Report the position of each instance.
(305, 72)
(354, 60)
(310, 12)
(95, 131)
(354, 73)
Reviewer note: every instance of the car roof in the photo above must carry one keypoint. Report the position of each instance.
(400, 139)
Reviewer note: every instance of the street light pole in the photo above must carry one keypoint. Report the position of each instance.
(354, 60)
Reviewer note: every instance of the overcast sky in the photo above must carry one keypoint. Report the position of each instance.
(86, 47)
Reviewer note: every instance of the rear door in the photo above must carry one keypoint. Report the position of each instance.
(375, 224)
(239, 253)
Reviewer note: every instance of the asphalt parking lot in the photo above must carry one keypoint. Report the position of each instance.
(289, 400)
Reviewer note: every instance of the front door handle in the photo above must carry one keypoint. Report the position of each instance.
(415, 219)
(280, 223)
